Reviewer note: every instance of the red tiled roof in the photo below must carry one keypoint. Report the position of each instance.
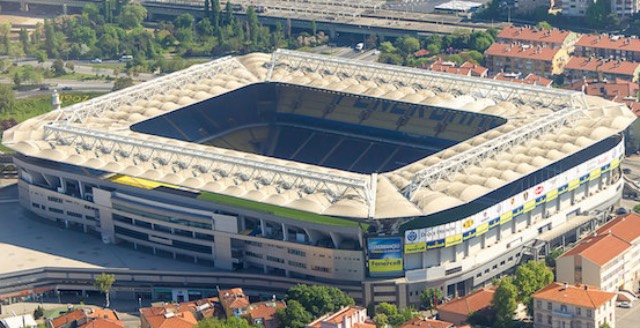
(467, 68)
(85, 315)
(625, 227)
(533, 34)
(599, 249)
(476, 70)
(265, 310)
(530, 79)
(421, 53)
(616, 90)
(102, 323)
(68, 317)
(426, 323)
(473, 302)
(574, 295)
(234, 298)
(521, 51)
(602, 65)
(364, 325)
(339, 316)
(176, 320)
(609, 42)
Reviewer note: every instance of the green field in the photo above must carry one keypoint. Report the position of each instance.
(27, 108)
(277, 210)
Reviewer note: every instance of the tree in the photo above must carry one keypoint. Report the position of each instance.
(58, 68)
(252, 18)
(551, 258)
(38, 312)
(598, 13)
(605, 325)
(319, 300)
(132, 16)
(41, 56)
(215, 13)
(408, 44)
(529, 278)
(7, 97)
(293, 316)
(429, 296)
(104, 282)
(504, 303)
(387, 309)
(228, 13)
(387, 47)
(381, 320)
(387, 313)
(184, 21)
(232, 322)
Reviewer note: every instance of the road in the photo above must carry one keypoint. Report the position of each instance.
(85, 67)
(86, 86)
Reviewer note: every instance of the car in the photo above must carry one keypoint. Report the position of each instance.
(626, 305)
(626, 171)
(621, 211)
(67, 88)
(44, 87)
(96, 60)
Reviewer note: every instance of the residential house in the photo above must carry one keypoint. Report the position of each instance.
(458, 310)
(513, 58)
(616, 90)
(467, 68)
(608, 46)
(421, 322)
(530, 79)
(85, 318)
(234, 302)
(587, 68)
(554, 38)
(347, 317)
(609, 259)
(573, 306)
(19, 321)
(264, 313)
(184, 314)
(576, 7)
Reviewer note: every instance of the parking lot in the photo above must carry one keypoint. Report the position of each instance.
(628, 318)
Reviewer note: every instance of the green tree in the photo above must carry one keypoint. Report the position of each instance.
(90, 11)
(132, 16)
(408, 44)
(293, 316)
(381, 320)
(104, 282)
(58, 68)
(387, 309)
(529, 278)
(24, 40)
(38, 312)
(391, 58)
(7, 97)
(5, 28)
(429, 296)
(605, 325)
(598, 13)
(388, 47)
(184, 21)
(232, 322)
(504, 303)
(553, 255)
(319, 300)
(252, 18)
(215, 13)
(41, 56)
(228, 13)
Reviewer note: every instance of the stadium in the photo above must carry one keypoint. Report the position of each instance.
(312, 167)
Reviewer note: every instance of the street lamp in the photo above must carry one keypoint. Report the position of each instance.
(505, 4)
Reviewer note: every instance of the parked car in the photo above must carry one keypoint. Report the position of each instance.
(67, 88)
(44, 87)
(621, 211)
(96, 60)
(626, 305)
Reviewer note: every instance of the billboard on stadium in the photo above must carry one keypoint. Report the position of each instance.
(385, 256)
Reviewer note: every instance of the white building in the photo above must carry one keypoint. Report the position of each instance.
(608, 259)
(576, 7)
(573, 306)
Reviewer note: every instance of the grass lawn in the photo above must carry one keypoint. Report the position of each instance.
(27, 108)
(277, 210)
(78, 77)
(54, 313)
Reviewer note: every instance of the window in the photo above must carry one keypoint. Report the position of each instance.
(549, 306)
(296, 252)
(297, 264)
(539, 304)
(549, 319)
(319, 268)
(74, 214)
(55, 210)
(563, 308)
(36, 205)
(274, 259)
(54, 199)
(578, 311)
(589, 315)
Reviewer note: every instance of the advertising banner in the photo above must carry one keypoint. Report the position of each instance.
(385, 255)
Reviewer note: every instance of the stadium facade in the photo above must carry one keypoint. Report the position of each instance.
(326, 169)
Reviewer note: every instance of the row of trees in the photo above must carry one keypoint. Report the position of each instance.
(306, 303)
(459, 47)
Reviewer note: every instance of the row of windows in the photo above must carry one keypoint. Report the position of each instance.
(274, 259)
(175, 243)
(296, 252)
(319, 268)
(54, 199)
(162, 228)
(170, 219)
(297, 264)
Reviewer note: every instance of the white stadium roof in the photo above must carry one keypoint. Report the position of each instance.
(544, 125)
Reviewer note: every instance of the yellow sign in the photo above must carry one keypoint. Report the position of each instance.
(552, 195)
(506, 217)
(529, 206)
(595, 174)
(574, 184)
(614, 163)
(385, 265)
(415, 248)
(482, 229)
(467, 224)
(453, 240)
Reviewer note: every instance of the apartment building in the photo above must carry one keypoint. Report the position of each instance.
(573, 306)
(609, 259)
(264, 313)
(524, 7)
(525, 58)
(608, 46)
(234, 301)
(554, 38)
(624, 8)
(576, 7)
(587, 68)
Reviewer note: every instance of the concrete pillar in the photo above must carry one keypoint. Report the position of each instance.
(332, 33)
(222, 252)
(263, 226)
(285, 233)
